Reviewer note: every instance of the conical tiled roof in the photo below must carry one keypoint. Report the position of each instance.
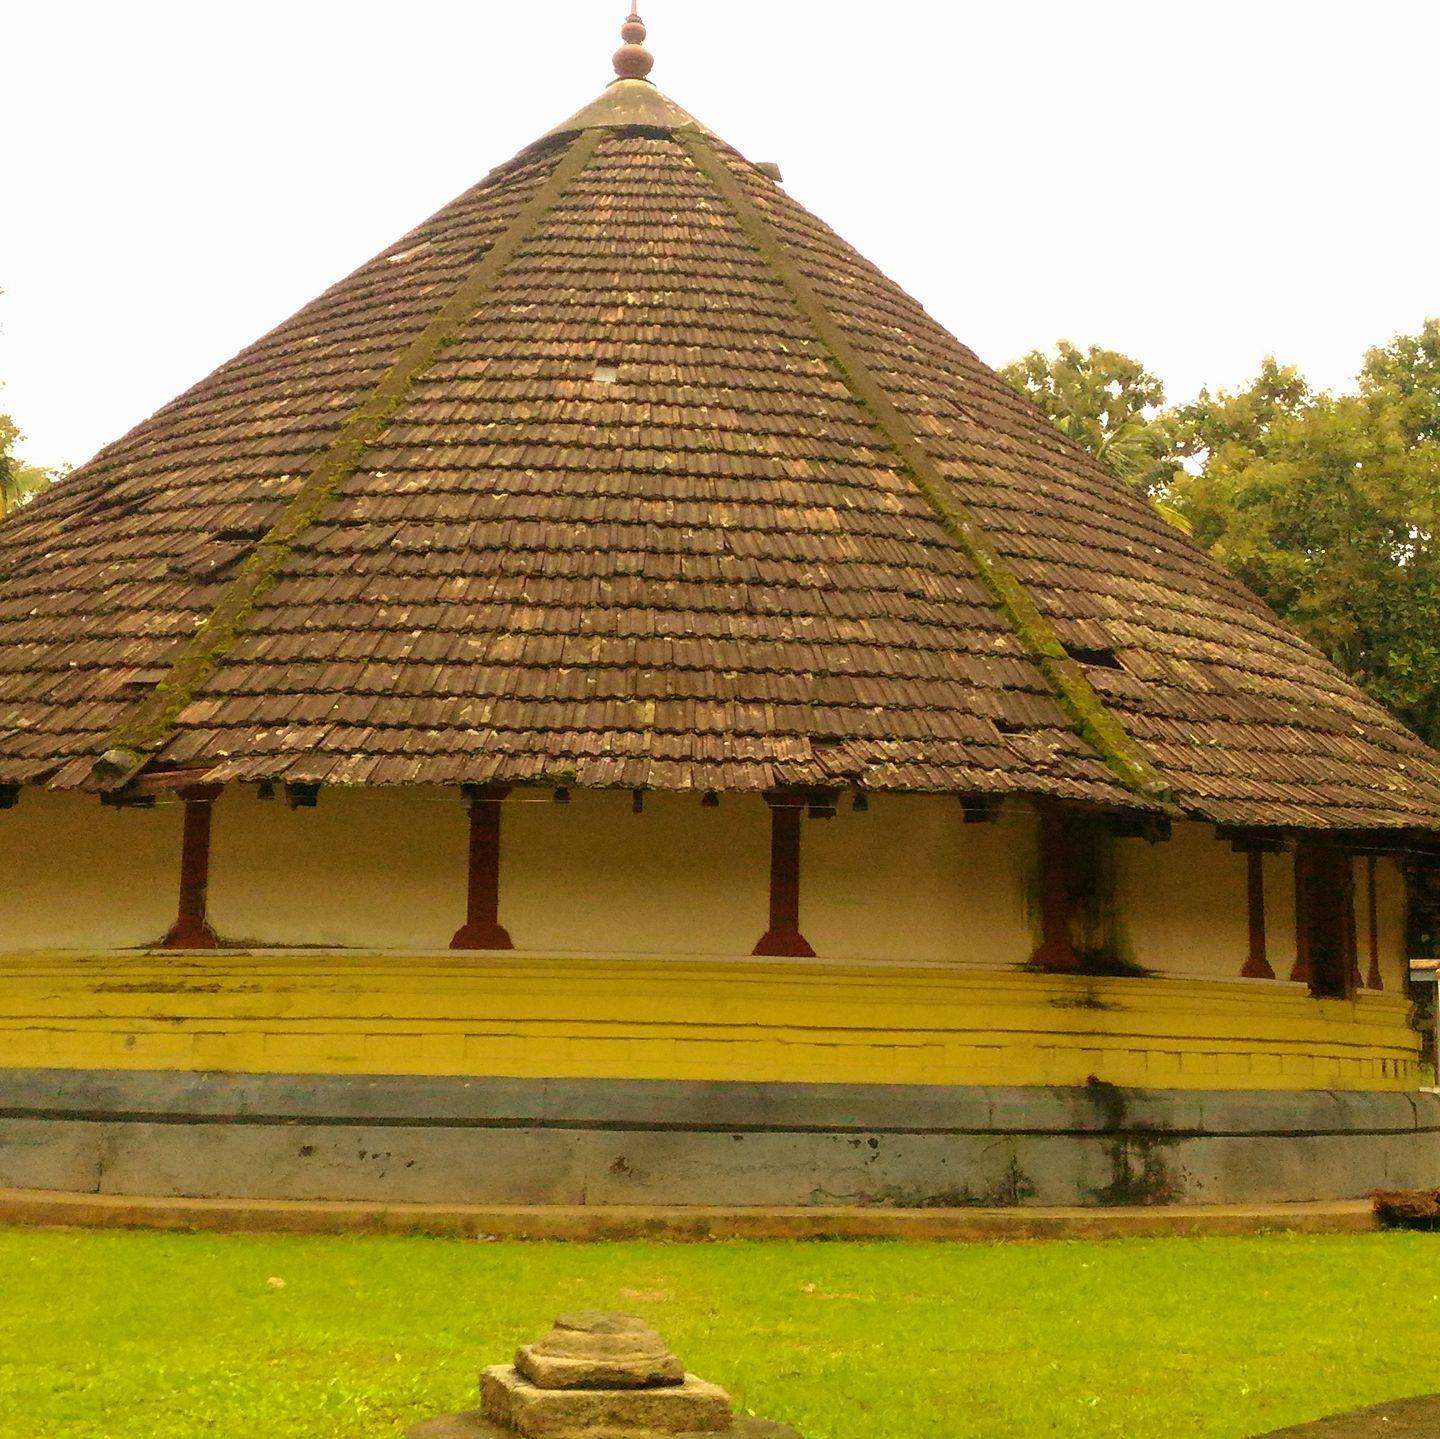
(624, 470)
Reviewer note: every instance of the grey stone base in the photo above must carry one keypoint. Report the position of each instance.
(501, 1141)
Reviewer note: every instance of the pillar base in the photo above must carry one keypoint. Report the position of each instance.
(184, 935)
(482, 936)
(784, 944)
(1057, 958)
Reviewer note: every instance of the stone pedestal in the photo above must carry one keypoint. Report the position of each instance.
(474, 1425)
(690, 1406)
(598, 1376)
(599, 1351)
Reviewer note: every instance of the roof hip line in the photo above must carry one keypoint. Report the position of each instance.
(1093, 721)
(133, 742)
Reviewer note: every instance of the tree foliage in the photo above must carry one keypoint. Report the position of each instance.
(18, 481)
(1325, 505)
(1105, 401)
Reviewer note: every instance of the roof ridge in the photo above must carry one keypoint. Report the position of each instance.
(1093, 720)
(131, 743)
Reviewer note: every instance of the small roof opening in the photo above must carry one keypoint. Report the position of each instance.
(1094, 655)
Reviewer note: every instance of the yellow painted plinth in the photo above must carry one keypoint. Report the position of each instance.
(567, 1016)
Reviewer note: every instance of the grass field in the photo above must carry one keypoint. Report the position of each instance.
(136, 1336)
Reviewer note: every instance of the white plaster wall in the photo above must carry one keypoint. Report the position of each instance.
(80, 875)
(1184, 905)
(379, 868)
(1280, 912)
(1187, 908)
(1390, 911)
(386, 869)
(907, 881)
(910, 880)
(679, 878)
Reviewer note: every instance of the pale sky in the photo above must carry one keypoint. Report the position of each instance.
(1198, 184)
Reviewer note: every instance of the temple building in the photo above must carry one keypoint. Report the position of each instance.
(612, 703)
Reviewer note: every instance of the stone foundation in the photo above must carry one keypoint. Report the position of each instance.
(506, 1141)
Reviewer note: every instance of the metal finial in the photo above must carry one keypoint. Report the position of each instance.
(632, 60)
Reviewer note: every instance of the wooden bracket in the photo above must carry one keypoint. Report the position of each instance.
(165, 781)
(120, 800)
(980, 808)
(1251, 841)
(1152, 828)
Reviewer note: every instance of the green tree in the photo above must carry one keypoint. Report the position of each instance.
(18, 481)
(1326, 506)
(1108, 403)
(1212, 421)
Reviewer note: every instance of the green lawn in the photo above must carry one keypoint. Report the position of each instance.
(138, 1336)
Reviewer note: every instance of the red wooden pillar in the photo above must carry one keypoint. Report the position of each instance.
(482, 929)
(1056, 864)
(784, 937)
(191, 929)
(1373, 980)
(1325, 948)
(1257, 965)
